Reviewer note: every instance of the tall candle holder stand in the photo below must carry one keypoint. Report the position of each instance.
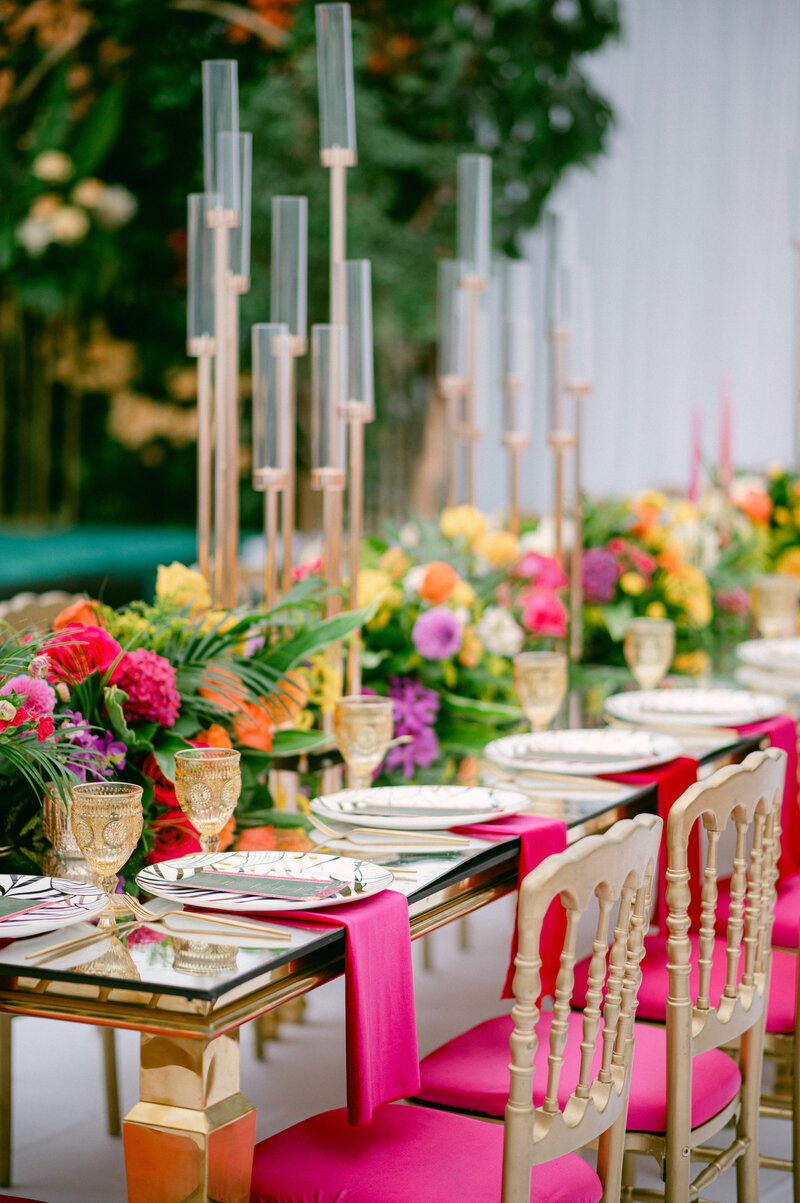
(296, 348)
(578, 390)
(451, 389)
(226, 412)
(473, 286)
(560, 439)
(203, 351)
(516, 443)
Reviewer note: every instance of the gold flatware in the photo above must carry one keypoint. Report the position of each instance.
(377, 834)
(586, 784)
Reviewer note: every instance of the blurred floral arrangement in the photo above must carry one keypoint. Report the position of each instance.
(114, 693)
(455, 601)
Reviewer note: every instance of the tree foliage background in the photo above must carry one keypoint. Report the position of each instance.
(96, 394)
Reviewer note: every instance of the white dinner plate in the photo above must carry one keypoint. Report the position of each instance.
(174, 879)
(777, 655)
(66, 902)
(761, 678)
(418, 807)
(585, 752)
(694, 707)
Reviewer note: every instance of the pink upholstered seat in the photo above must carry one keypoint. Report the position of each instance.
(653, 990)
(470, 1073)
(786, 927)
(406, 1155)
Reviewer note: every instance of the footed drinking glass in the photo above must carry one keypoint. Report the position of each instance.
(540, 679)
(363, 726)
(208, 782)
(106, 822)
(649, 647)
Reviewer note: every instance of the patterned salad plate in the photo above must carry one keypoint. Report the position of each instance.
(418, 807)
(583, 752)
(31, 906)
(694, 707)
(263, 881)
(777, 655)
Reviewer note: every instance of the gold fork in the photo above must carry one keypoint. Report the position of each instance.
(424, 837)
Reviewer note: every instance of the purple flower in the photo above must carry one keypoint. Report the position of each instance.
(40, 698)
(599, 571)
(415, 710)
(732, 601)
(107, 753)
(437, 633)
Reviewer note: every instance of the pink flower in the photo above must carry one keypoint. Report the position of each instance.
(301, 571)
(437, 633)
(78, 651)
(544, 614)
(40, 697)
(544, 571)
(149, 681)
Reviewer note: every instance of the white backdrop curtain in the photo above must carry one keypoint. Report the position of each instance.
(687, 227)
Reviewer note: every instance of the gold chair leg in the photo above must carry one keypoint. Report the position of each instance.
(113, 1117)
(628, 1177)
(750, 1062)
(427, 957)
(464, 934)
(5, 1100)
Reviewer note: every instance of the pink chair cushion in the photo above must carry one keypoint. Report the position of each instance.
(406, 1154)
(786, 927)
(471, 1073)
(655, 981)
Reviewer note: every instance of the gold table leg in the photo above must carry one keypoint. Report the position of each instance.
(191, 1136)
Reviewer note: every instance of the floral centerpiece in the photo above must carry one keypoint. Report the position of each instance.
(115, 693)
(454, 603)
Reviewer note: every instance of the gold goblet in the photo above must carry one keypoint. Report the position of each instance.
(649, 647)
(363, 726)
(106, 822)
(774, 600)
(208, 782)
(540, 679)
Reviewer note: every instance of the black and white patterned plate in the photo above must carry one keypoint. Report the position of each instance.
(67, 902)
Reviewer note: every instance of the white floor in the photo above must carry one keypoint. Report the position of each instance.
(63, 1155)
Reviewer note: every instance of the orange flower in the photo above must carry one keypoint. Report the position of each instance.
(269, 838)
(82, 612)
(290, 699)
(438, 583)
(252, 725)
(214, 736)
(227, 834)
(757, 505)
(670, 560)
(647, 515)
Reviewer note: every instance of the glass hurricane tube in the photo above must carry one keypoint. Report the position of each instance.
(200, 343)
(337, 114)
(289, 266)
(272, 417)
(207, 785)
(240, 158)
(474, 215)
(220, 113)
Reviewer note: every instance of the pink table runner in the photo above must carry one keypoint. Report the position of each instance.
(782, 732)
(539, 837)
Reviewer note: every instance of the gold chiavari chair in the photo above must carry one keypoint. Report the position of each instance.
(411, 1152)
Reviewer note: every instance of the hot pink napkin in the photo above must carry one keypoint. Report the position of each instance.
(539, 837)
(782, 732)
(671, 780)
(380, 1020)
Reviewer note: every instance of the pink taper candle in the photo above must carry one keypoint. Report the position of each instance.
(696, 462)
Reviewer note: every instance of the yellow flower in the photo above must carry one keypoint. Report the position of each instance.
(395, 562)
(693, 664)
(326, 683)
(654, 498)
(183, 586)
(796, 515)
(656, 610)
(463, 594)
(462, 521)
(632, 583)
(683, 510)
(789, 562)
(499, 547)
(689, 590)
(391, 600)
(774, 469)
(471, 649)
(781, 515)
(372, 582)
(218, 620)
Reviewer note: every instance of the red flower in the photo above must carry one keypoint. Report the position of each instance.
(173, 837)
(163, 790)
(20, 717)
(78, 651)
(44, 728)
(544, 614)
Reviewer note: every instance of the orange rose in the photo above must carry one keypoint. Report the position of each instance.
(670, 560)
(438, 583)
(757, 506)
(252, 725)
(256, 839)
(214, 736)
(81, 613)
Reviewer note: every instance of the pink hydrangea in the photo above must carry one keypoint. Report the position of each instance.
(149, 681)
(544, 614)
(544, 571)
(40, 698)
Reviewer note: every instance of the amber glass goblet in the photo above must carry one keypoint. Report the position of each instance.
(540, 679)
(649, 647)
(208, 782)
(106, 822)
(363, 726)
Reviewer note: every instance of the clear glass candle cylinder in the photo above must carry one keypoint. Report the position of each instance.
(562, 251)
(328, 394)
(220, 112)
(475, 214)
(517, 375)
(240, 234)
(271, 404)
(358, 293)
(289, 267)
(451, 314)
(517, 280)
(580, 347)
(199, 273)
(229, 173)
(337, 114)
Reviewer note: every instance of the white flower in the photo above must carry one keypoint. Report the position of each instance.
(543, 539)
(462, 614)
(88, 193)
(742, 485)
(34, 235)
(62, 689)
(7, 711)
(52, 165)
(409, 535)
(69, 225)
(499, 632)
(412, 582)
(115, 207)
